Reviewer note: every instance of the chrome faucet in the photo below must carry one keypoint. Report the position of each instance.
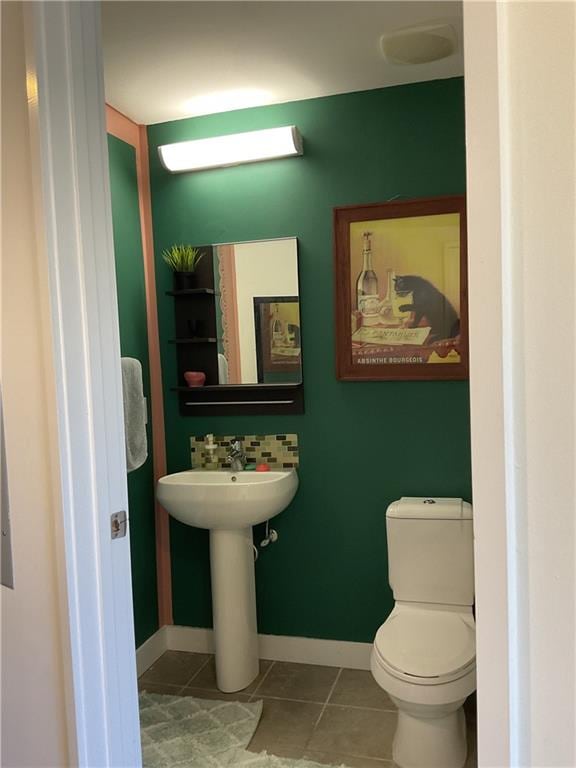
(236, 457)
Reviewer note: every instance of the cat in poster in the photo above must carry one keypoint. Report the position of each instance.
(428, 302)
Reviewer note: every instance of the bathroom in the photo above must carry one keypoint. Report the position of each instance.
(61, 390)
(361, 445)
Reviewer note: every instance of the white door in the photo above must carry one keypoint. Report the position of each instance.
(64, 55)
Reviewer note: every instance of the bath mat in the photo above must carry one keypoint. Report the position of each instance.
(244, 759)
(184, 732)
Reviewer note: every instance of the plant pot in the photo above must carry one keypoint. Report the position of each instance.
(185, 280)
(195, 378)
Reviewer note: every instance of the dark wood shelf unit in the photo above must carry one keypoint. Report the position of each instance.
(195, 331)
(239, 387)
(248, 399)
(196, 348)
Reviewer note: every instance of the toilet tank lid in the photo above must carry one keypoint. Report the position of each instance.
(429, 508)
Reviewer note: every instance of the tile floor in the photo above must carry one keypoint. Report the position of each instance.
(327, 714)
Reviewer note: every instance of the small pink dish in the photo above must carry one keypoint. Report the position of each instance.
(195, 378)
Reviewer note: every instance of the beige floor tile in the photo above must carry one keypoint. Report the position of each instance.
(175, 668)
(170, 690)
(354, 731)
(357, 688)
(202, 693)
(333, 758)
(206, 677)
(303, 682)
(284, 723)
(283, 750)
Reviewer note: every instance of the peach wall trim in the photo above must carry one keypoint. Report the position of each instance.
(229, 305)
(122, 127)
(125, 129)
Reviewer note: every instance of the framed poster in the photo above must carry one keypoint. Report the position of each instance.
(278, 344)
(401, 290)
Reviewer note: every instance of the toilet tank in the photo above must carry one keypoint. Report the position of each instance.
(430, 550)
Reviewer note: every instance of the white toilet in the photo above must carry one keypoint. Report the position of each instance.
(424, 655)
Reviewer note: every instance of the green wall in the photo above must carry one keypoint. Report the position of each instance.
(361, 444)
(134, 343)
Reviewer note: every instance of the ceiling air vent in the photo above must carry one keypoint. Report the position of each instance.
(419, 45)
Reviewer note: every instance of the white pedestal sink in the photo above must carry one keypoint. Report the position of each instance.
(229, 504)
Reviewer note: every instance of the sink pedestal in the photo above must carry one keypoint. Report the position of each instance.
(234, 608)
(228, 504)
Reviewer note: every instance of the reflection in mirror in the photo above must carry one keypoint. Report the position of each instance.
(258, 312)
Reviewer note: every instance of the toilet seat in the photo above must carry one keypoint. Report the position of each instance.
(426, 647)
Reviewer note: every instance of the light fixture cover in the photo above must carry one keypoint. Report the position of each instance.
(420, 44)
(234, 149)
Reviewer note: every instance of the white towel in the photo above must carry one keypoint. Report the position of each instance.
(134, 413)
(222, 369)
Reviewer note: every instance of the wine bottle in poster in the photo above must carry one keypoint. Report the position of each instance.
(367, 283)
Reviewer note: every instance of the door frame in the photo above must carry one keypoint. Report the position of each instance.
(521, 187)
(65, 53)
(67, 48)
(66, 98)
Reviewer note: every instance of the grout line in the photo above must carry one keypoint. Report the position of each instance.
(254, 695)
(198, 672)
(387, 761)
(334, 684)
(331, 691)
(176, 692)
(357, 706)
(323, 704)
(379, 761)
(296, 701)
(255, 691)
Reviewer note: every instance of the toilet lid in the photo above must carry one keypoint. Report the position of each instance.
(426, 643)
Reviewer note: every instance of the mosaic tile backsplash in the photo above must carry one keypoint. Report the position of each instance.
(279, 451)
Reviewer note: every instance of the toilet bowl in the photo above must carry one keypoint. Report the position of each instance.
(424, 658)
(424, 655)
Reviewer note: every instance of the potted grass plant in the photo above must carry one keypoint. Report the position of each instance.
(183, 261)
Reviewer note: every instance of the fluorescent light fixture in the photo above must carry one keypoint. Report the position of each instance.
(234, 149)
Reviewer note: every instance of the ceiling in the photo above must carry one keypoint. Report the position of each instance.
(170, 60)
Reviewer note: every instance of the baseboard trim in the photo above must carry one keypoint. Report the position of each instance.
(303, 650)
(151, 650)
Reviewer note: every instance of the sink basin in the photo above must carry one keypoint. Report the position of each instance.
(224, 499)
(229, 504)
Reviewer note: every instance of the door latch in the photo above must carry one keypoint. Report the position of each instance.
(118, 524)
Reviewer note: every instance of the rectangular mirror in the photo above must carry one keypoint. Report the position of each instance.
(238, 334)
(258, 312)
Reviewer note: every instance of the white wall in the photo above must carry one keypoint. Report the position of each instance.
(486, 395)
(520, 114)
(538, 131)
(265, 268)
(34, 646)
